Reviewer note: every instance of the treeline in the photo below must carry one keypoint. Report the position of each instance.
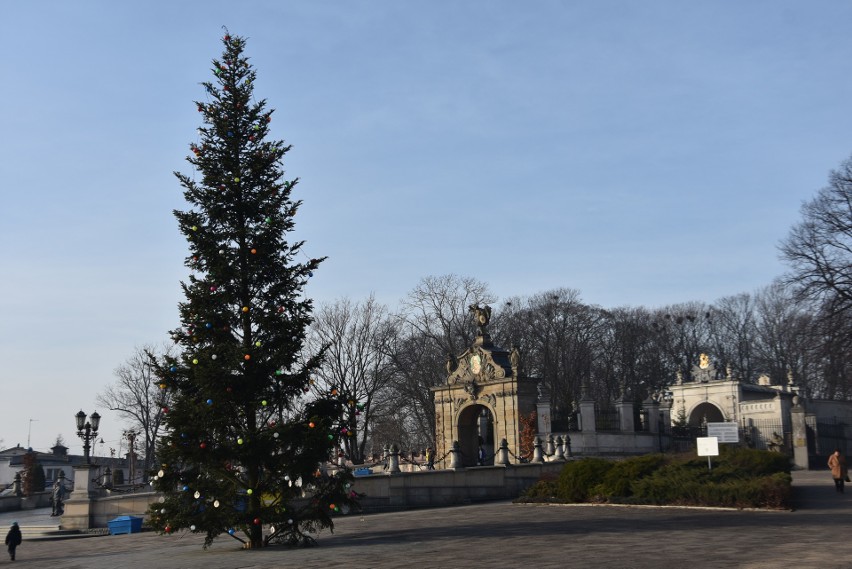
(390, 359)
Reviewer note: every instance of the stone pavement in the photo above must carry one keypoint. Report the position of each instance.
(817, 533)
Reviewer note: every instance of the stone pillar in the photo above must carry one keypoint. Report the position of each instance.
(543, 416)
(665, 415)
(78, 506)
(538, 455)
(455, 456)
(800, 435)
(652, 415)
(17, 485)
(549, 448)
(559, 453)
(502, 458)
(587, 415)
(393, 460)
(626, 421)
(567, 442)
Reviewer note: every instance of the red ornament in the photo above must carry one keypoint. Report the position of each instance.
(257, 521)
(203, 445)
(168, 529)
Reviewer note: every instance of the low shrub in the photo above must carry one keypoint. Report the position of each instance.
(619, 479)
(578, 478)
(541, 491)
(740, 478)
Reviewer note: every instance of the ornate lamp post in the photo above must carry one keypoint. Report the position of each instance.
(88, 431)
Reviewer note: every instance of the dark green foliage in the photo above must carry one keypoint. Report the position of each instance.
(740, 478)
(245, 434)
(577, 478)
(755, 462)
(619, 479)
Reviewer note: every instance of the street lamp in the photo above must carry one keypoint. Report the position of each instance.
(88, 431)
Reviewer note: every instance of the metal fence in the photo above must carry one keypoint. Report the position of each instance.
(565, 422)
(825, 435)
(607, 420)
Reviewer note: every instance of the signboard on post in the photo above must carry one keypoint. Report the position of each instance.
(725, 432)
(707, 446)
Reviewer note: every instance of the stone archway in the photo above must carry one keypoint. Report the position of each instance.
(483, 396)
(475, 427)
(705, 413)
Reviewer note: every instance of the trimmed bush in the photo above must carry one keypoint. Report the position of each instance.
(619, 480)
(578, 478)
(740, 478)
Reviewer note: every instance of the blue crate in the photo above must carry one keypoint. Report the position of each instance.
(125, 524)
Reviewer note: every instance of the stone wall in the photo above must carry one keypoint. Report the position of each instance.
(110, 507)
(435, 488)
(14, 503)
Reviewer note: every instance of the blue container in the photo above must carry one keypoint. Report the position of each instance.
(125, 524)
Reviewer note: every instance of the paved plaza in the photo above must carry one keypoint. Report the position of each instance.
(817, 533)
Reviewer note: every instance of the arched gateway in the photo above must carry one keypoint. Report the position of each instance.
(483, 398)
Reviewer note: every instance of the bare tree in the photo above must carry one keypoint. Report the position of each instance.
(785, 341)
(357, 337)
(434, 324)
(437, 309)
(733, 327)
(138, 399)
(819, 248)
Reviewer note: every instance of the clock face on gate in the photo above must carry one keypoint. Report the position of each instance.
(475, 364)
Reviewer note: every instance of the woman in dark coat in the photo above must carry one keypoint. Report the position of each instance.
(13, 539)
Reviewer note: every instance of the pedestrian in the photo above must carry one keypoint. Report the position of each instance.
(480, 457)
(837, 464)
(430, 459)
(13, 539)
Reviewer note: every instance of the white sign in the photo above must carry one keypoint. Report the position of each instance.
(725, 432)
(707, 446)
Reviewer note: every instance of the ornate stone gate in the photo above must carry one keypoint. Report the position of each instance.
(483, 398)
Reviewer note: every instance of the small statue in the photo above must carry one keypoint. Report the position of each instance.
(481, 316)
(452, 363)
(57, 496)
(515, 357)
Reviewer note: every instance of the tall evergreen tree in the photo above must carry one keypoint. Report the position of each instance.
(246, 436)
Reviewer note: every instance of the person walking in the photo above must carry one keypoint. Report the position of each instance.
(13, 539)
(837, 464)
(430, 459)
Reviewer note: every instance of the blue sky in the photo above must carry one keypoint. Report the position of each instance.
(644, 153)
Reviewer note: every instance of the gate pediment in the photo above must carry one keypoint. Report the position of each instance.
(482, 362)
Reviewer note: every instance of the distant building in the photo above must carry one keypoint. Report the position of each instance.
(762, 411)
(59, 461)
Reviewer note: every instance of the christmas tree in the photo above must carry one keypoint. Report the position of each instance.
(246, 436)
